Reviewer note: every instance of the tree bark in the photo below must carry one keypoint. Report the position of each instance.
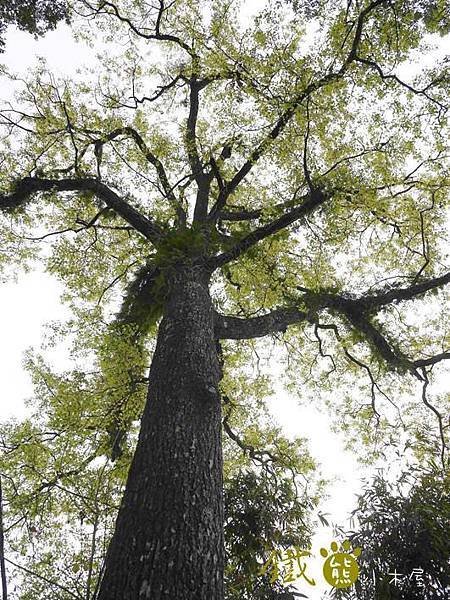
(168, 540)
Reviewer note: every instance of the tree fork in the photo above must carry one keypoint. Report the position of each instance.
(168, 540)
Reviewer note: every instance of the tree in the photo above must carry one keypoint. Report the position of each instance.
(261, 513)
(404, 527)
(30, 15)
(297, 191)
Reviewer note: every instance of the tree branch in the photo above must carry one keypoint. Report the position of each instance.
(161, 89)
(164, 37)
(84, 226)
(408, 293)
(203, 180)
(149, 155)
(287, 115)
(28, 186)
(311, 201)
(238, 213)
(427, 403)
(390, 77)
(255, 455)
(45, 579)
(357, 312)
(235, 328)
(432, 360)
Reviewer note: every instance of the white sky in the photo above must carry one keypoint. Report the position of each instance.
(27, 305)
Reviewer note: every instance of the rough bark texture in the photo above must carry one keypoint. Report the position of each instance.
(168, 541)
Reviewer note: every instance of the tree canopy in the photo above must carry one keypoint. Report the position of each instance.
(403, 528)
(33, 16)
(298, 154)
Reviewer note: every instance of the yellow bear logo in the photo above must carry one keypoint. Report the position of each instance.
(341, 569)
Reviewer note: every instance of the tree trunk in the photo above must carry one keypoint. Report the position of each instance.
(168, 540)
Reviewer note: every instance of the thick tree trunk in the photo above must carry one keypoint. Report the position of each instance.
(168, 541)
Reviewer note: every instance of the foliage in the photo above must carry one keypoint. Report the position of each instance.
(300, 152)
(34, 16)
(404, 527)
(263, 513)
